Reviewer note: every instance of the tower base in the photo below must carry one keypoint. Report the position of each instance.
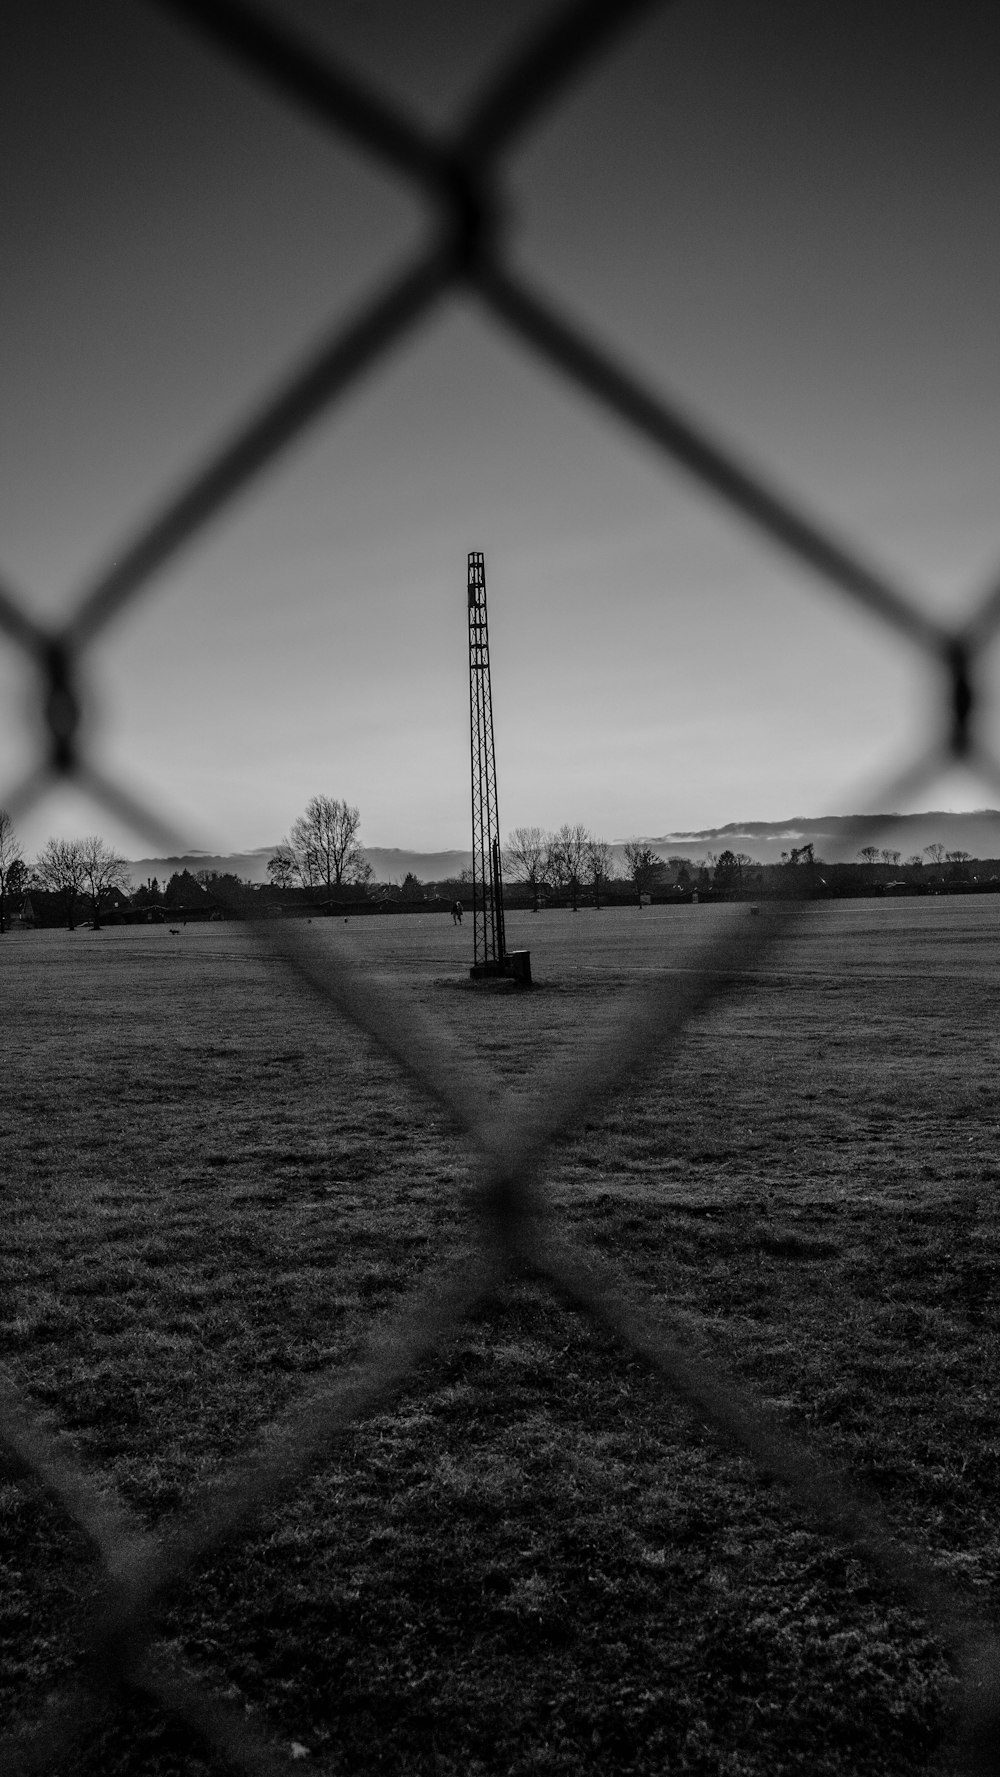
(516, 966)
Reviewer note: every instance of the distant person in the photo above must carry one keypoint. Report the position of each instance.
(456, 913)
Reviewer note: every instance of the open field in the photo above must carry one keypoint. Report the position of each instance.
(537, 1559)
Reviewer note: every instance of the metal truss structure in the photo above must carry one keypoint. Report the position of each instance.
(489, 946)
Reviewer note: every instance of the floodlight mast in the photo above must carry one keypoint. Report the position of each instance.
(489, 945)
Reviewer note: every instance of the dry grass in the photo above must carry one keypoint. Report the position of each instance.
(537, 1561)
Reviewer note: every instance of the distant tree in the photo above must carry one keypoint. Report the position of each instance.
(208, 879)
(797, 877)
(869, 854)
(728, 874)
(148, 894)
(596, 864)
(958, 861)
(524, 858)
(642, 866)
(59, 868)
(729, 868)
(566, 861)
(324, 843)
(915, 861)
(890, 857)
(13, 870)
(103, 870)
(935, 852)
(183, 890)
(411, 887)
(282, 869)
(235, 893)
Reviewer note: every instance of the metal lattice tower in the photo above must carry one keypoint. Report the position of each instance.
(489, 947)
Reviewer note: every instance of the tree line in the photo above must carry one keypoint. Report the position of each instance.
(322, 854)
(320, 851)
(566, 864)
(73, 870)
(571, 862)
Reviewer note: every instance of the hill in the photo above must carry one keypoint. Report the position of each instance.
(390, 864)
(837, 839)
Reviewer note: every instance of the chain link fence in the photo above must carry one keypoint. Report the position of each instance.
(461, 174)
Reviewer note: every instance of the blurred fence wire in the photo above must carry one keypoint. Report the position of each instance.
(460, 174)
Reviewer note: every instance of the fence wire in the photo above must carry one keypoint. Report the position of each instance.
(460, 174)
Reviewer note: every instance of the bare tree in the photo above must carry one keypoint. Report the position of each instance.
(103, 870)
(59, 867)
(12, 866)
(524, 858)
(642, 865)
(324, 843)
(597, 864)
(282, 869)
(869, 854)
(890, 857)
(935, 852)
(958, 861)
(565, 861)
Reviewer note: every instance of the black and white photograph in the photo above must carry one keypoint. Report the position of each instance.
(499, 888)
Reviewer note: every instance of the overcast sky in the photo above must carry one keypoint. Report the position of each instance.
(783, 213)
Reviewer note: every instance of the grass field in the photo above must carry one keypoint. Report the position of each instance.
(537, 1559)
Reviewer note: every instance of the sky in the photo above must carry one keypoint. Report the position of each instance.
(781, 214)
